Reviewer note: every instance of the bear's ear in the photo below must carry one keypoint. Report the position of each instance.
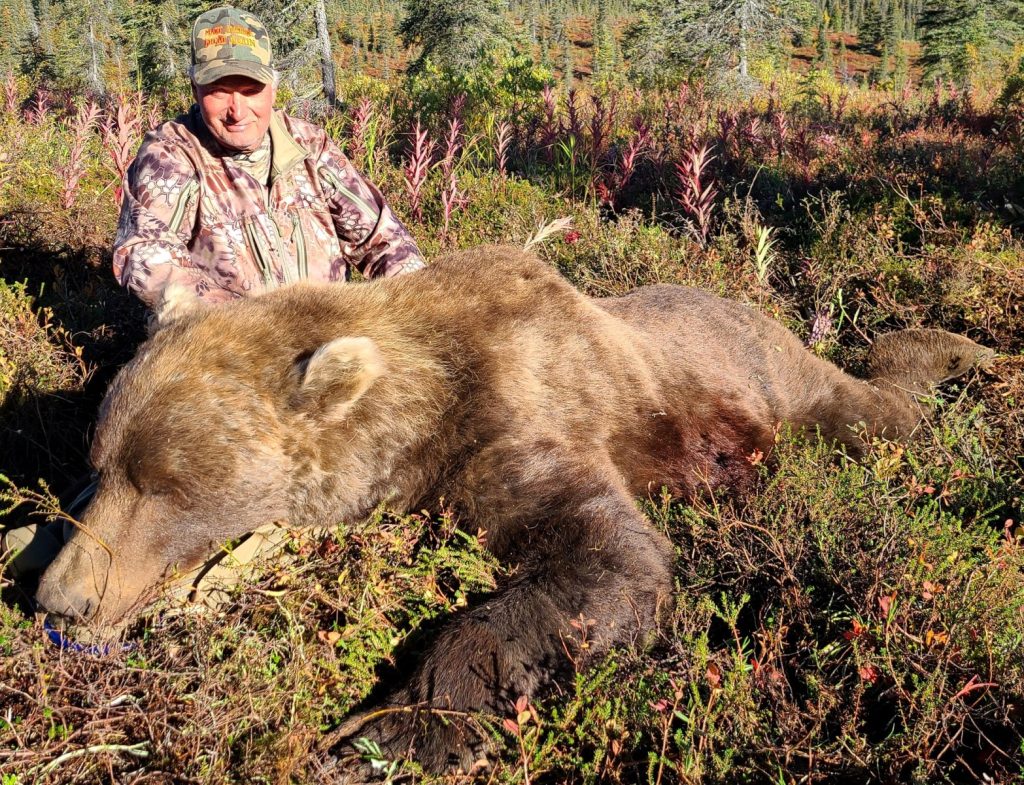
(337, 375)
(175, 301)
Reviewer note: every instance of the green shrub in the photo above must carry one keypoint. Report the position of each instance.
(35, 355)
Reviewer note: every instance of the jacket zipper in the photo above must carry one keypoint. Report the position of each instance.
(253, 241)
(300, 247)
(290, 274)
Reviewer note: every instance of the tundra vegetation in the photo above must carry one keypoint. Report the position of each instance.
(847, 622)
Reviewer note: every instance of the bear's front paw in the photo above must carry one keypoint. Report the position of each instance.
(374, 744)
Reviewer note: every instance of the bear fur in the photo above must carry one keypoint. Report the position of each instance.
(487, 380)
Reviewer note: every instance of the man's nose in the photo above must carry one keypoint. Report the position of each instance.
(237, 105)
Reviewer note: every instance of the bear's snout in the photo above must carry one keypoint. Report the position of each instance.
(65, 603)
(82, 583)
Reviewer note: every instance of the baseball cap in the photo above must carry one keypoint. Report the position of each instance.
(230, 42)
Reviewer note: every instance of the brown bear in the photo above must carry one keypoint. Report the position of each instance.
(486, 379)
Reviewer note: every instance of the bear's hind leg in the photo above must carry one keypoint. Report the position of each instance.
(903, 367)
(917, 359)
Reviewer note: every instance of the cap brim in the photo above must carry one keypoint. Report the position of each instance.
(208, 73)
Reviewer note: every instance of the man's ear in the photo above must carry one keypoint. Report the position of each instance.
(174, 302)
(337, 375)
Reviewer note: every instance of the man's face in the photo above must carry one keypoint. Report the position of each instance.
(237, 110)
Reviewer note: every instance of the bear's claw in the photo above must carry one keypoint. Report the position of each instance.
(369, 743)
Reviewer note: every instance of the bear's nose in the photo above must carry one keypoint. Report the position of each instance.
(63, 604)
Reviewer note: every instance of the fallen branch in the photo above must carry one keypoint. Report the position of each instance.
(138, 750)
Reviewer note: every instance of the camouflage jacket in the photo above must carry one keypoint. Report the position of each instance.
(191, 216)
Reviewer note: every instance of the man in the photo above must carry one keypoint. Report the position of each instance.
(235, 198)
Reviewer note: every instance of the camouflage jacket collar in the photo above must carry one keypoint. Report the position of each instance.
(285, 151)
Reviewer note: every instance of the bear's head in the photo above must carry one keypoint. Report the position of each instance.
(210, 432)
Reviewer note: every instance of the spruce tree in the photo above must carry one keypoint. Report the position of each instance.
(545, 51)
(838, 16)
(300, 49)
(657, 41)
(671, 37)
(615, 56)
(883, 69)
(453, 33)
(601, 46)
(901, 70)
(856, 15)
(17, 28)
(957, 35)
(824, 47)
(567, 66)
(892, 30)
(869, 33)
